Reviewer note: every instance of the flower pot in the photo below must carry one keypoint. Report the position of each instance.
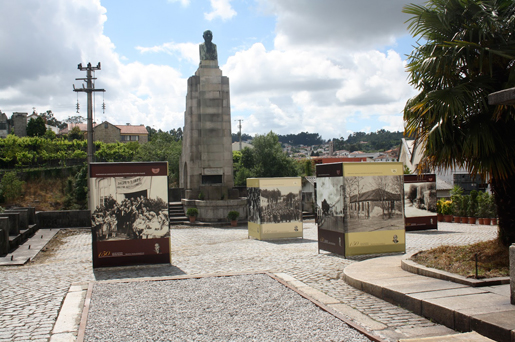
(494, 221)
(447, 218)
(234, 223)
(192, 219)
(481, 220)
(486, 221)
(464, 219)
(472, 220)
(456, 219)
(439, 217)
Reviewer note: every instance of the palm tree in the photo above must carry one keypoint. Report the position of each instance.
(467, 51)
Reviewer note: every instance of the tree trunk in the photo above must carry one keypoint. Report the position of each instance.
(504, 192)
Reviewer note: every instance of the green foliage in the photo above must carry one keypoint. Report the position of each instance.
(11, 186)
(308, 167)
(406, 170)
(75, 134)
(233, 215)
(36, 127)
(375, 141)
(49, 134)
(163, 146)
(192, 212)
(265, 159)
(116, 152)
(467, 54)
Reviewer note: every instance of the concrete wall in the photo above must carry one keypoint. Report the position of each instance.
(216, 211)
(64, 219)
(14, 222)
(19, 121)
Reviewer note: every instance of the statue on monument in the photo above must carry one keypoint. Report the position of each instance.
(208, 49)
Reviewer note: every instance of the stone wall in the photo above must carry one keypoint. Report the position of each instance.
(64, 219)
(14, 222)
(216, 211)
(4, 235)
(107, 133)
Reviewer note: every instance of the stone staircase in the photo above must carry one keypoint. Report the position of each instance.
(176, 213)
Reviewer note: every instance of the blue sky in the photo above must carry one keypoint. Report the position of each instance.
(331, 66)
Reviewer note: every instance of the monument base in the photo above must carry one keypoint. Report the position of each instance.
(217, 210)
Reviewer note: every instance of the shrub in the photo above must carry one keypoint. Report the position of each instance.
(192, 212)
(233, 215)
(10, 186)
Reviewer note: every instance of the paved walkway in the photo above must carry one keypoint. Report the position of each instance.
(31, 295)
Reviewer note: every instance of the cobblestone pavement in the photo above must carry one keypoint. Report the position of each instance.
(31, 295)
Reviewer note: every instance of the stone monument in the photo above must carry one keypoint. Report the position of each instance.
(206, 171)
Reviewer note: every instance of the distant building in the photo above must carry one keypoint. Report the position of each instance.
(109, 133)
(4, 125)
(19, 124)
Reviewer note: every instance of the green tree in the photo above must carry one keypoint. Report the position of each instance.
(163, 147)
(10, 186)
(75, 134)
(269, 158)
(36, 127)
(467, 52)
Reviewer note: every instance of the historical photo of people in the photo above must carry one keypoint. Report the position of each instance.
(373, 203)
(419, 199)
(130, 208)
(330, 203)
(254, 205)
(280, 205)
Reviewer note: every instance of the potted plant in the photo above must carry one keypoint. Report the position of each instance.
(463, 213)
(482, 207)
(439, 209)
(233, 217)
(456, 200)
(447, 211)
(492, 209)
(192, 213)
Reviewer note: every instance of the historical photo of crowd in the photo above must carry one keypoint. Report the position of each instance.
(330, 203)
(420, 199)
(360, 204)
(130, 208)
(276, 205)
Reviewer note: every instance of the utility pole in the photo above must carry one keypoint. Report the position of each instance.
(239, 134)
(89, 90)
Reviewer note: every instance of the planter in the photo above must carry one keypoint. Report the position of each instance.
(234, 223)
(464, 219)
(472, 220)
(192, 219)
(456, 219)
(481, 220)
(494, 221)
(447, 218)
(439, 217)
(486, 221)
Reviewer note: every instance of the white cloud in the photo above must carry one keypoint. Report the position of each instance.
(188, 51)
(184, 3)
(222, 9)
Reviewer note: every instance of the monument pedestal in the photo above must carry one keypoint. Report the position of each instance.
(206, 170)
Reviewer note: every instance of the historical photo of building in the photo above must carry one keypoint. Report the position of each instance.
(373, 203)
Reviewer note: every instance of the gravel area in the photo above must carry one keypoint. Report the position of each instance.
(234, 308)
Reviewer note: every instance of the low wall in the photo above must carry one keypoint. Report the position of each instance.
(14, 222)
(216, 211)
(512, 273)
(4, 235)
(64, 219)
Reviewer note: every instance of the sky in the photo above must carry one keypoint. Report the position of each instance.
(331, 67)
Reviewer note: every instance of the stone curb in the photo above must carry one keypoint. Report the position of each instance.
(442, 301)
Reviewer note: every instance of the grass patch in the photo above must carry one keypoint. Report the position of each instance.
(493, 259)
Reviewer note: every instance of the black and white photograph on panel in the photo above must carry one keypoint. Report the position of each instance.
(419, 199)
(130, 208)
(330, 203)
(374, 203)
(280, 205)
(254, 205)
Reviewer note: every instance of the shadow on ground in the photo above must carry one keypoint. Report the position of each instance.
(134, 272)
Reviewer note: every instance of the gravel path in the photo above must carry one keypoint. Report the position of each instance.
(236, 308)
